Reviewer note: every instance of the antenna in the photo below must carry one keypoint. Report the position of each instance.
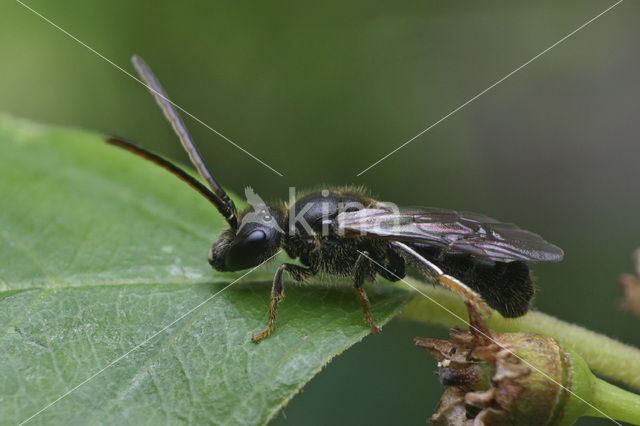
(224, 204)
(177, 171)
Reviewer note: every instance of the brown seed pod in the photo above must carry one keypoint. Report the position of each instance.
(506, 378)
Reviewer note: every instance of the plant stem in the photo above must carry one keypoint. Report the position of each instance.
(615, 402)
(604, 355)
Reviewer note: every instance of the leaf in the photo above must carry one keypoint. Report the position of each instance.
(101, 251)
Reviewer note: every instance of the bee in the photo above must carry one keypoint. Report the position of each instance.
(344, 232)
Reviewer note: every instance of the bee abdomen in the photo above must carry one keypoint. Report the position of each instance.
(505, 286)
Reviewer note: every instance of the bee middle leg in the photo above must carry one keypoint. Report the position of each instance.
(364, 269)
(298, 273)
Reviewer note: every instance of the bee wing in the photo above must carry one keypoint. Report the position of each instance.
(451, 230)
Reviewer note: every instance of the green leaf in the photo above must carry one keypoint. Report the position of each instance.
(101, 251)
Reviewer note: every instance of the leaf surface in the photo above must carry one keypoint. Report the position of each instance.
(107, 300)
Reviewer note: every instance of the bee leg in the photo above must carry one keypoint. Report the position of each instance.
(446, 280)
(296, 272)
(363, 269)
(463, 290)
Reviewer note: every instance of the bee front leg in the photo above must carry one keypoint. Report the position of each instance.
(364, 269)
(296, 272)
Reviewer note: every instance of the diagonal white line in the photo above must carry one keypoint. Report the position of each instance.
(491, 87)
(144, 342)
(151, 89)
(492, 340)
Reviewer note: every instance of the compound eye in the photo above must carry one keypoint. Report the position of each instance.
(255, 237)
(246, 251)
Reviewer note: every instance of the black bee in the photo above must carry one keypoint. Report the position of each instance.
(346, 233)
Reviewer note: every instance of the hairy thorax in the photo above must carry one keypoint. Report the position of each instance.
(312, 236)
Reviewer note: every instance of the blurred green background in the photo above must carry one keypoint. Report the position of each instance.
(319, 91)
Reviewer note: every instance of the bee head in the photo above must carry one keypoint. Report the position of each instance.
(258, 237)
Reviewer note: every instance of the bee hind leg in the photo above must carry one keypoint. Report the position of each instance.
(430, 269)
(364, 269)
(463, 290)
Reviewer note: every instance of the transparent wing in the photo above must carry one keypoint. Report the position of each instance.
(451, 230)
